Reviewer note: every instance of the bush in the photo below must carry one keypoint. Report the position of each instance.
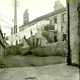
(18, 52)
(54, 49)
(27, 53)
(11, 52)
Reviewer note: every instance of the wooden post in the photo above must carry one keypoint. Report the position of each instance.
(68, 16)
(15, 16)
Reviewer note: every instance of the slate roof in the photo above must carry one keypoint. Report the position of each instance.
(45, 16)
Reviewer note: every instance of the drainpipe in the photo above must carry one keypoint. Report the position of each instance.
(68, 16)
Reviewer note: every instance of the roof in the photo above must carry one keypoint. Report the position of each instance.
(46, 15)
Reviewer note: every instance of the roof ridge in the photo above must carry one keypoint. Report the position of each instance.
(46, 15)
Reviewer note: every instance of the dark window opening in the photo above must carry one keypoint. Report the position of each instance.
(64, 17)
(64, 37)
(55, 20)
(55, 38)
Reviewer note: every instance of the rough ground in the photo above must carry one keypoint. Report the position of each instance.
(32, 61)
(43, 68)
(50, 72)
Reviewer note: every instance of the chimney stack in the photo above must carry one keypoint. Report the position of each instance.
(58, 5)
(25, 17)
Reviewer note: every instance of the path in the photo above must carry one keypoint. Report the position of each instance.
(50, 72)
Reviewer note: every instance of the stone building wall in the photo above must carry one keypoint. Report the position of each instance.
(41, 22)
(74, 37)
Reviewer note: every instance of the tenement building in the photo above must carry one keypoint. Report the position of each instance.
(45, 29)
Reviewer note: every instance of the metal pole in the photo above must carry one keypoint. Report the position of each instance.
(68, 58)
(15, 17)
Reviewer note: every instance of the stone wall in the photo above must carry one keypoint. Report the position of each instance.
(2, 47)
(74, 37)
(1, 51)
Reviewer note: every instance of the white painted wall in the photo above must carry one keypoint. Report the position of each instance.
(26, 32)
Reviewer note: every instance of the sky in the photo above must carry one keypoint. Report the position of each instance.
(36, 8)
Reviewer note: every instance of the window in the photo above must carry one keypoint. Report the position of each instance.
(64, 17)
(55, 38)
(64, 37)
(55, 20)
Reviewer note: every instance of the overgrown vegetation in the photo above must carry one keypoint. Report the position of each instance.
(16, 51)
(54, 49)
(41, 56)
(32, 61)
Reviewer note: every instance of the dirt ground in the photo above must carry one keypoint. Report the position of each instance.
(42, 68)
(49, 72)
(32, 61)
